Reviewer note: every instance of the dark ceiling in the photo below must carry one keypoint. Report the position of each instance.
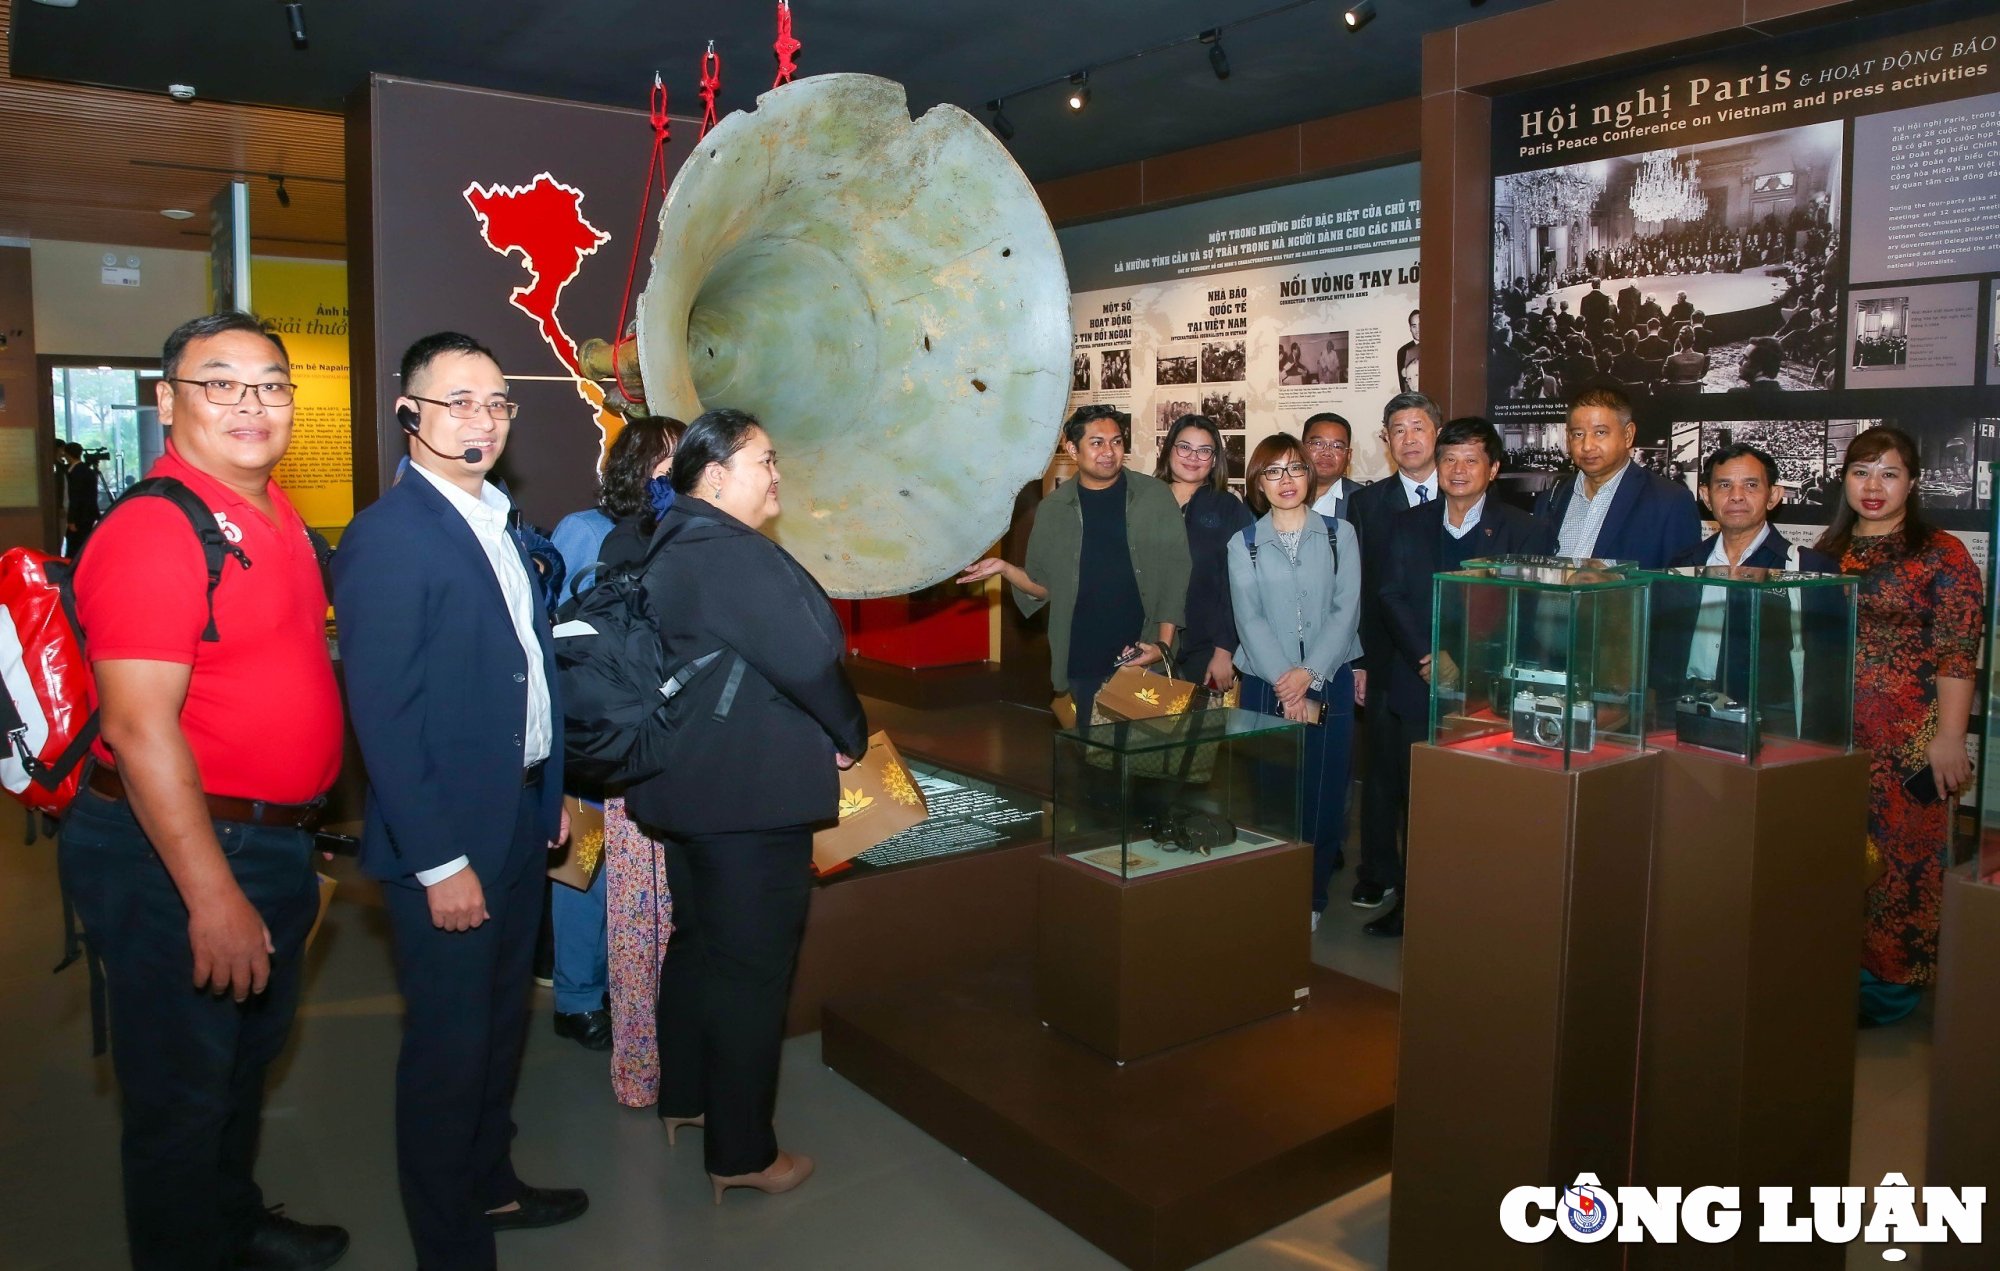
(1296, 65)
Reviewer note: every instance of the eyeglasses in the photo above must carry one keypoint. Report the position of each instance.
(1186, 451)
(466, 408)
(1322, 443)
(1279, 471)
(232, 392)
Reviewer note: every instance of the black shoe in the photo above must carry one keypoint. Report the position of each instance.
(589, 1029)
(278, 1243)
(541, 1207)
(1369, 896)
(1389, 924)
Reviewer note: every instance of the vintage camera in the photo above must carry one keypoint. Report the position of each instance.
(1713, 721)
(1539, 721)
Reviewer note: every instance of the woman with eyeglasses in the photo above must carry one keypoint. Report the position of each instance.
(1295, 585)
(1192, 465)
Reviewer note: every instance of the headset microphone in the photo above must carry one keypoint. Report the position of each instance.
(408, 419)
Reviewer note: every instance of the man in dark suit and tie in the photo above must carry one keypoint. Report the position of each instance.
(1701, 634)
(1613, 509)
(1595, 306)
(451, 685)
(1628, 307)
(1329, 442)
(1428, 539)
(1410, 424)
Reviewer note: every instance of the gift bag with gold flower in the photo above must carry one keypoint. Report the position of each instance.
(1136, 693)
(879, 798)
(575, 863)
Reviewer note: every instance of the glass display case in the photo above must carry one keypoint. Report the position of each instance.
(1146, 797)
(1539, 661)
(1752, 664)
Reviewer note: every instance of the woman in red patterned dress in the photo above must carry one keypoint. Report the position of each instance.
(1917, 646)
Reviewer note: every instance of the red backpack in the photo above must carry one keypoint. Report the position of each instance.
(45, 713)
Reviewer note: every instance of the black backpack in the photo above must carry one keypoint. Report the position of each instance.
(619, 689)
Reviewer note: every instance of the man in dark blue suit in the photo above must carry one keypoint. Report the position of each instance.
(451, 685)
(1410, 423)
(1428, 539)
(1329, 442)
(1702, 633)
(1614, 509)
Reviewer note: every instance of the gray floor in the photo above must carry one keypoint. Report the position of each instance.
(887, 1196)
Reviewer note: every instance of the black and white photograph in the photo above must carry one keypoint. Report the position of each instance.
(1234, 450)
(1176, 368)
(1881, 332)
(1165, 413)
(1708, 268)
(1079, 373)
(1406, 360)
(1222, 362)
(1808, 451)
(1115, 369)
(1950, 451)
(1318, 357)
(1227, 412)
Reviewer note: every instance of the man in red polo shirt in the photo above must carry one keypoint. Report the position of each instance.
(188, 854)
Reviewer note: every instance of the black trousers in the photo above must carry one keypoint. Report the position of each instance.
(190, 1064)
(1385, 794)
(465, 1001)
(740, 904)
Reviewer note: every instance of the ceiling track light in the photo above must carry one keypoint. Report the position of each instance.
(1079, 91)
(284, 195)
(1360, 15)
(1001, 124)
(1218, 60)
(295, 21)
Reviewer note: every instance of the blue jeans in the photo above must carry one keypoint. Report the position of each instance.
(582, 977)
(1325, 771)
(190, 1064)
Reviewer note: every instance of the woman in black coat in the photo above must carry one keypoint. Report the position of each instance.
(1193, 464)
(754, 769)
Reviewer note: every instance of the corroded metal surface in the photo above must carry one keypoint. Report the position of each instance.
(887, 296)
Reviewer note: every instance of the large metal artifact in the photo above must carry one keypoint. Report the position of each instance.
(887, 296)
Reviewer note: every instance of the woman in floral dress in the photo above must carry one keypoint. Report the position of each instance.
(639, 908)
(1917, 647)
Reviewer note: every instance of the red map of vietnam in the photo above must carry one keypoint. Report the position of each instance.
(543, 221)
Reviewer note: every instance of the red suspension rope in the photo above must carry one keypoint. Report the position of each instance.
(785, 45)
(711, 83)
(656, 161)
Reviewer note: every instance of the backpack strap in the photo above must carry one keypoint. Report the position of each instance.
(215, 546)
(1333, 538)
(1250, 542)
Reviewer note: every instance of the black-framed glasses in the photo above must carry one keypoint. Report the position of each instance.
(466, 408)
(1186, 451)
(232, 392)
(1279, 471)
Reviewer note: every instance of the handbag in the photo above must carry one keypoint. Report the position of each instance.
(1144, 694)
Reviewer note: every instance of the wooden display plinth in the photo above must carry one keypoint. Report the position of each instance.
(1130, 968)
(1522, 962)
(1162, 1162)
(1965, 1061)
(922, 921)
(1746, 1059)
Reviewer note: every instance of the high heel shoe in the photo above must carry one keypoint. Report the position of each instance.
(676, 1123)
(782, 1175)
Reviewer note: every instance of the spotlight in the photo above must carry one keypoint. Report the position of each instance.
(1001, 124)
(295, 18)
(1079, 90)
(1217, 59)
(284, 195)
(1360, 15)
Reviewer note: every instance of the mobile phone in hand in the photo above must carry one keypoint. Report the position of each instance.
(1921, 786)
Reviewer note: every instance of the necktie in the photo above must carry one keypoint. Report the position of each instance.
(1423, 494)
